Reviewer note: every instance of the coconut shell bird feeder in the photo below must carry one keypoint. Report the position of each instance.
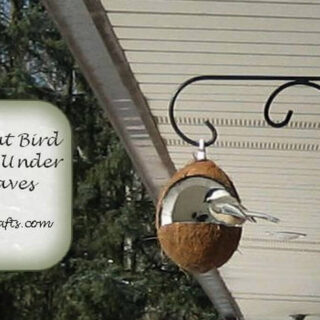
(194, 246)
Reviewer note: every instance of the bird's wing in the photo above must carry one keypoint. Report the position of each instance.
(231, 209)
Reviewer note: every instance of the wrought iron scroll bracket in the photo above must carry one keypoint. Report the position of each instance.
(289, 82)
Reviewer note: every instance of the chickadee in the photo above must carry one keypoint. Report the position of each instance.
(226, 209)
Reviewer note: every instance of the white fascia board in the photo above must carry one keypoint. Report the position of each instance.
(88, 33)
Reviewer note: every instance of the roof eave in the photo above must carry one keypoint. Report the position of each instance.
(90, 37)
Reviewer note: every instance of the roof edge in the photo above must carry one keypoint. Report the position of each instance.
(92, 42)
(105, 29)
(218, 293)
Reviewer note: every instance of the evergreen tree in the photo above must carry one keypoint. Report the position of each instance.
(113, 270)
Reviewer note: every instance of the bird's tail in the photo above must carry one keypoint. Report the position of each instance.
(264, 216)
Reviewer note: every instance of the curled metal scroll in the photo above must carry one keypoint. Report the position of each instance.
(293, 81)
(289, 114)
(207, 123)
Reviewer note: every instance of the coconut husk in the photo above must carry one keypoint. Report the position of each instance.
(198, 247)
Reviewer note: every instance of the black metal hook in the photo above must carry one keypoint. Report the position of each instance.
(207, 123)
(298, 80)
(290, 112)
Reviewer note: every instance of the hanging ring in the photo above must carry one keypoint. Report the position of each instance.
(290, 112)
(201, 154)
(174, 124)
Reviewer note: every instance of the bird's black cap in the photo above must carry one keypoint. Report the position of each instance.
(209, 193)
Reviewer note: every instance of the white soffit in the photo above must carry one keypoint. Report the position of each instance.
(275, 170)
